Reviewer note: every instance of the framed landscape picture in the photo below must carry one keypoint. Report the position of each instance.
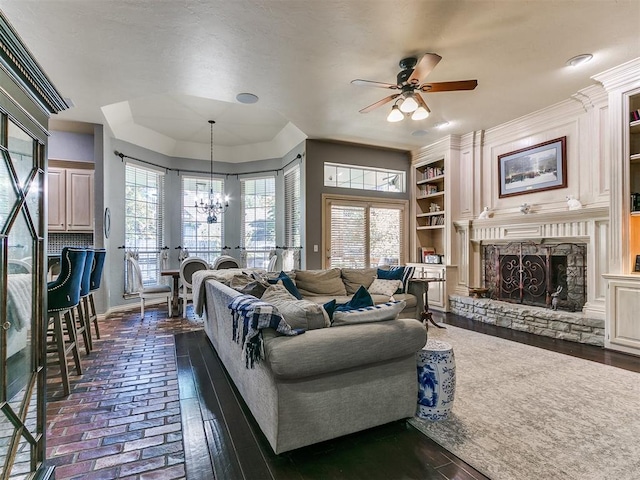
(533, 169)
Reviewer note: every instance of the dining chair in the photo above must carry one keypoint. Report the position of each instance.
(225, 261)
(149, 291)
(63, 295)
(188, 267)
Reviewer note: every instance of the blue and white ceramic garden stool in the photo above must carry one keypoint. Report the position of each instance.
(436, 380)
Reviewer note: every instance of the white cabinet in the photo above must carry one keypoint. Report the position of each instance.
(623, 324)
(71, 199)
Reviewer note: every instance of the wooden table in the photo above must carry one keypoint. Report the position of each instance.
(426, 315)
(175, 299)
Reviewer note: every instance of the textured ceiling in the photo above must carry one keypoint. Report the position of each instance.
(161, 69)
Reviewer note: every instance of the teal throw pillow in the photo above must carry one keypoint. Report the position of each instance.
(330, 307)
(288, 284)
(362, 298)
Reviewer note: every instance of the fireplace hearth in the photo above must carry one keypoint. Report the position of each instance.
(540, 274)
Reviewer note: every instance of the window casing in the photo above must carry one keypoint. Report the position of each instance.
(202, 239)
(362, 232)
(143, 216)
(258, 219)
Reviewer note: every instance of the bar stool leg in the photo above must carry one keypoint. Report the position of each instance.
(81, 326)
(86, 321)
(93, 315)
(62, 356)
(73, 340)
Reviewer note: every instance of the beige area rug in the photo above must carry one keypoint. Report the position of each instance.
(521, 412)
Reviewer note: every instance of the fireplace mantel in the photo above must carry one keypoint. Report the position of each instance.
(561, 225)
(589, 225)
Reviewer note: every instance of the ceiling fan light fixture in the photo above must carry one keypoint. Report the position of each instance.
(409, 104)
(421, 113)
(395, 115)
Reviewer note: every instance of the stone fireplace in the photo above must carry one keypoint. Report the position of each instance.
(543, 273)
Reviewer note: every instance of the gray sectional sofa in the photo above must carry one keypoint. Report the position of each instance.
(327, 382)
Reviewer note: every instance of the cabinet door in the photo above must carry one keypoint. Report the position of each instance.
(80, 200)
(57, 200)
(623, 324)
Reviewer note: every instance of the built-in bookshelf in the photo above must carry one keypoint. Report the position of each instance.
(634, 181)
(430, 206)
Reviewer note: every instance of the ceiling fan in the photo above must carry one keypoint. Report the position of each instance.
(410, 82)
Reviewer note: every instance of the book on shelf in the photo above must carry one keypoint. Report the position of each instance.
(431, 172)
(431, 189)
(635, 115)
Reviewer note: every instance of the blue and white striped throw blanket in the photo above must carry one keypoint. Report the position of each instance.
(256, 315)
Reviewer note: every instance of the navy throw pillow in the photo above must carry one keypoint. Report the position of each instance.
(288, 284)
(362, 298)
(330, 307)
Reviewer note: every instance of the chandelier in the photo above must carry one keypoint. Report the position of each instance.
(216, 205)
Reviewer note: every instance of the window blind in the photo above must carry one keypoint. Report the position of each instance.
(258, 228)
(202, 239)
(292, 207)
(144, 217)
(364, 233)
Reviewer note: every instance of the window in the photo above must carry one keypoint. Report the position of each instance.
(143, 211)
(202, 239)
(363, 233)
(259, 219)
(364, 178)
(292, 207)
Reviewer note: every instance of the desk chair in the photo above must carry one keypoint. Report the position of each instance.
(63, 294)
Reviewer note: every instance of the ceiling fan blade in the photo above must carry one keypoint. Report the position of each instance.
(371, 83)
(424, 67)
(421, 102)
(379, 103)
(449, 86)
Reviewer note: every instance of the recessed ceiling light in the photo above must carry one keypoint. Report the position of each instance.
(579, 59)
(419, 133)
(247, 98)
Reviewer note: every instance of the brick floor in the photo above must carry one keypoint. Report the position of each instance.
(122, 418)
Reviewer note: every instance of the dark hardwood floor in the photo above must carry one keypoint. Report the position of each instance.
(222, 440)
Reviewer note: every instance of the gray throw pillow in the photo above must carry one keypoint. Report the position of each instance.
(298, 313)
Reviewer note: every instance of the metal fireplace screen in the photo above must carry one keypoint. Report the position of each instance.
(536, 274)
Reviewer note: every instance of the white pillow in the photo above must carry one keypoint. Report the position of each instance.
(384, 287)
(376, 313)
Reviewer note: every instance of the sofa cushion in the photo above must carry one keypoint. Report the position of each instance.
(320, 282)
(298, 313)
(375, 313)
(354, 277)
(408, 298)
(384, 287)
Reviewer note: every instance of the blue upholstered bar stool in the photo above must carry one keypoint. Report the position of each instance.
(63, 294)
(94, 284)
(83, 325)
